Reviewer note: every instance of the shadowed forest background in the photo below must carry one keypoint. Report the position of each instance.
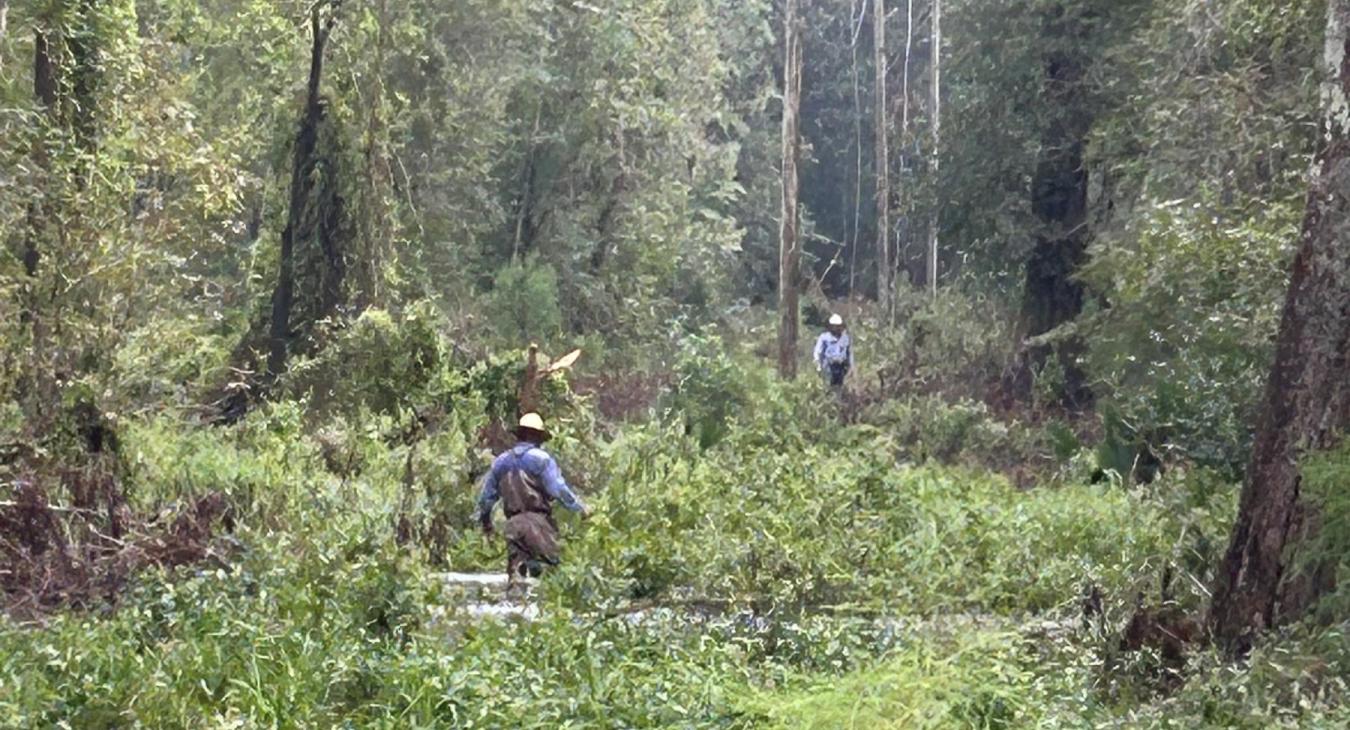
(269, 270)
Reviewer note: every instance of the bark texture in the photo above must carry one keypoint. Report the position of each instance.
(789, 258)
(882, 162)
(1307, 402)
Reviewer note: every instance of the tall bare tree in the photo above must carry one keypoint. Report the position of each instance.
(1307, 402)
(882, 161)
(904, 81)
(789, 244)
(856, 14)
(937, 143)
(4, 26)
(377, 220)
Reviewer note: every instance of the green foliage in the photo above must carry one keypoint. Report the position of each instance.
(1298, 679)
(824, 526)
(711, 388)
(524, 303)
(978, 678)
(1204, 203)
(1183, 349)
(956, 343)
(382, 361)
(606, 173)
(929, 428)
(1324, 477)
(781, 570)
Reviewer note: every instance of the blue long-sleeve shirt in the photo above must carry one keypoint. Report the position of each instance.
(830, 350)
(537, 463)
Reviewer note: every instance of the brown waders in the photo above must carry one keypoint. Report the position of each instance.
(531, 533)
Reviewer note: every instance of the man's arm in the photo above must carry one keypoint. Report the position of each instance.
(488, 498)
(556, 486)
(819, 353)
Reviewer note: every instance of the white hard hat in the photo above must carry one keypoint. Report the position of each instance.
(533, 422)
(836, 320)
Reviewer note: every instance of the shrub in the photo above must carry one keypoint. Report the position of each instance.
(1325, 476)
(1183, 349)
(383, 361)
(829, 525)
(956, 343)
(523, 305)
(710, 388)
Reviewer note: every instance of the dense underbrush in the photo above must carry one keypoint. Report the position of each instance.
(762, 555)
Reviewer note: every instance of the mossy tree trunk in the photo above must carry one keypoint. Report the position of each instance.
(315, 219)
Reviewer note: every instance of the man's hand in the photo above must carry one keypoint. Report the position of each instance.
(586, 512)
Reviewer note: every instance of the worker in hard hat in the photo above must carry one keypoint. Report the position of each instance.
(527, 480)
(834, 352)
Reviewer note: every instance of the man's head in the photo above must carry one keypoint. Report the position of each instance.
(836, 325)
(531, 429)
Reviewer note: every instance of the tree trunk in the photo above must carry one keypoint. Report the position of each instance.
(1307, 403)
(379, 226)
(903, 253)
(84, 77)
(302, 188)
(855, 12)
(937, 143)
(882, 162)
(904, 81)
(1059, 200)
(604, 239)
(528, 401)
(46, 87)
(4, 27)
(35, 387)
(45, 81)
(524, 237)
(789, 258)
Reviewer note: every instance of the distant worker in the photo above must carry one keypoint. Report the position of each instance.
(527, 480)
(834, 352)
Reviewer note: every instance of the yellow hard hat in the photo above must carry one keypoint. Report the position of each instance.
(533, 422)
